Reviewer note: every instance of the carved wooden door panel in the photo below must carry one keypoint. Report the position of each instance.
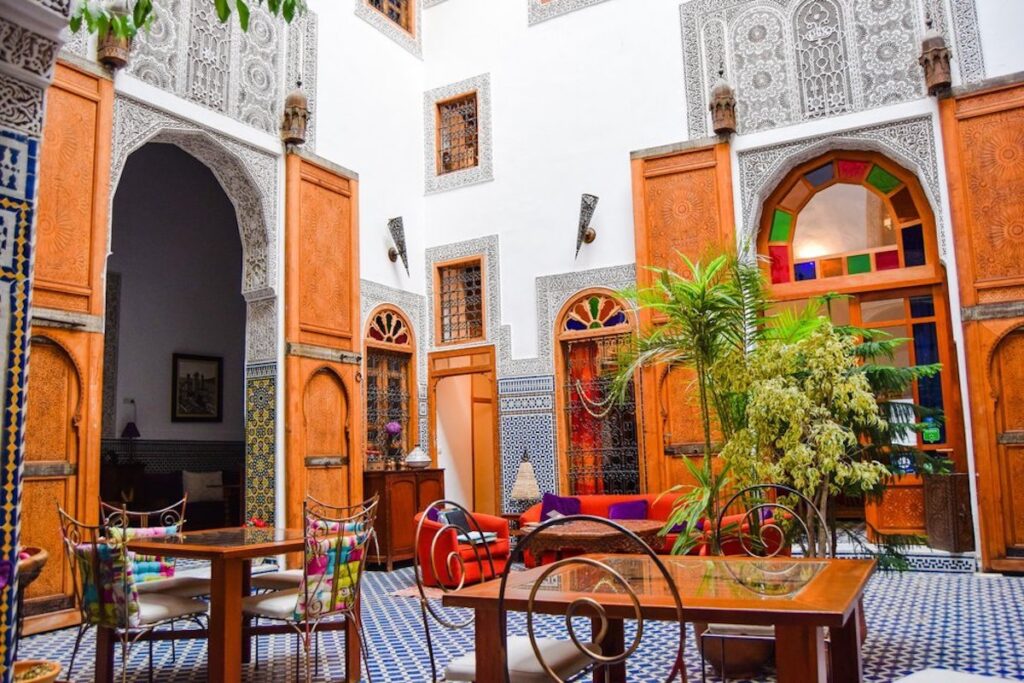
(52, 440)
(1009, 372)
(326, 416)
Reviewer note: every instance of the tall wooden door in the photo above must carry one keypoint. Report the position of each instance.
(1008, 367)
(325, 413)
(485, 447)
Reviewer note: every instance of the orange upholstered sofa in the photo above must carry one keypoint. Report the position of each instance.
(475, 570)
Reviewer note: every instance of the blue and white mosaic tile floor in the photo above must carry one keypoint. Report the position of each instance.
(916, 620)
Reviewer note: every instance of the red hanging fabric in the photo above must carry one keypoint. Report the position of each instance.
(585, 429)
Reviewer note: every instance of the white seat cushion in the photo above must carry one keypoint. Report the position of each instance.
(943, 676)
(276, 605)
(181, 586)
(740, 631)
(157, 607)
(561, 655)
(277, 581)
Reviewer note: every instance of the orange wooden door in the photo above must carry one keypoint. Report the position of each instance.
(51, 468)
(485, 448)
(1009, 373)
(325, 412)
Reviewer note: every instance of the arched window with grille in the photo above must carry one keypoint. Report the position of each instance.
(598, 439)
(390, 385)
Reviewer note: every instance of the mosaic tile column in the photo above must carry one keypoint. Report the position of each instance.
(260, 440)
(31, 39)
(527, 415)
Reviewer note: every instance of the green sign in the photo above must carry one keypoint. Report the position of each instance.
(931, 434)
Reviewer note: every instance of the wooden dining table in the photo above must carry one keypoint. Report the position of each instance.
(799, 597)
(230, 552)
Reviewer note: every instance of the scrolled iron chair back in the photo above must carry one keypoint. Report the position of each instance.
(119, 516)
(579, 606)
(334, 559)
(760, 534)
(483, 559)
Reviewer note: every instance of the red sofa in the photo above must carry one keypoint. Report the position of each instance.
(475, 571)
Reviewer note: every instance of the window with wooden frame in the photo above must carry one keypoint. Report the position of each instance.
(390, 386)
(398, 11)
(458, 145)
(460, 301)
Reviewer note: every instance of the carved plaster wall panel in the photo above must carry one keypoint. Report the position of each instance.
(484, 170)
(21, 105)
(542, 10)
(792, 60)
(247, 174)
(410, 40)
(910, 142)
(26, 50)
(487, 249)
(968, 54)
(243, 74)
(431, 3)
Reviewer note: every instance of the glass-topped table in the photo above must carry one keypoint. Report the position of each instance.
(800, 597)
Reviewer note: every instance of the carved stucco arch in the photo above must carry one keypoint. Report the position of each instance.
(909, 143)
(248, 177)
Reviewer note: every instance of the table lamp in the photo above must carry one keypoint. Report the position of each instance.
(525, 488)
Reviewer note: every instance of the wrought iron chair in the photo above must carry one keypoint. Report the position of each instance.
(333, 566)
(106, 592)
(774, 519)
(613, 573)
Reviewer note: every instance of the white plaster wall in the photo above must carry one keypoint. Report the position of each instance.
(1001, 23)
(369, 112)
(571, 97)
(176, 245)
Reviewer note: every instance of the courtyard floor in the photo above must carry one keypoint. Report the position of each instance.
(916, 620)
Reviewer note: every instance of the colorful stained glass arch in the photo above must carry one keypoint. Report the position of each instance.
(389, 326)
(594, 312)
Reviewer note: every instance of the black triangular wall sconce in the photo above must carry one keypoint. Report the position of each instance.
(585, 233)
(397, 229)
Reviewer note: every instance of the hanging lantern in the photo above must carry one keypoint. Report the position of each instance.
(723, 106)
(296, 116)
(112, 50)
(935, 61)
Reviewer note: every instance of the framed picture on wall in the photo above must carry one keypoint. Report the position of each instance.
(197, 390)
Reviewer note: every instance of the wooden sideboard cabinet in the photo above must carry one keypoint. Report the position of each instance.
(402, 493)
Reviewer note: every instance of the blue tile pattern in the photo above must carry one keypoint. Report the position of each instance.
(527, 419)
(972, 623)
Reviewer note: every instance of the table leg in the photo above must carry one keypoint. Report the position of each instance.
(800, 654)
(490, 665)
(105, 640)
(224, 650)
(614, 643)
(844, 650)
(353, 662)
(246, 621)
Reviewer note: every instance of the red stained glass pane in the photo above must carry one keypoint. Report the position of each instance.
(606, 309)
(375, 334)
(780, 264)
(852, 170)
(887, 260)
(401, 339)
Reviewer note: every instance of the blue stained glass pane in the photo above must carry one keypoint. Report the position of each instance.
(805, 271)
(820, 175)
(922, 306)
(929, 389)
(617, 319)
(913, 246)
(926, 345)
(574, 325)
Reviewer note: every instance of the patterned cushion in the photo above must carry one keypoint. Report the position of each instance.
(109, 596)
(333, 562)
(148, 567)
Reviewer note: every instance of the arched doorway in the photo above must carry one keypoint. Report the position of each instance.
(174, 377)
(1007, 381)
(858, 224)
(390, 382)
(599, 449)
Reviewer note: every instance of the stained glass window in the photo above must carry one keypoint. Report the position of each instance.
(594, 312)
(847, 216)
(387, 385)
(390, 328)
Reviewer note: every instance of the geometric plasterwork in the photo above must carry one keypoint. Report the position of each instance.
(553, 292)
(411, 41)
(483, 171)
(248, 177)
(794, 60)
(967, 54)
(242, 74)
(908, 142)
(542, 10)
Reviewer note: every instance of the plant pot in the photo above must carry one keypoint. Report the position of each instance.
(36, 671)
(31, 567)
(947, 511)
(112, 51)
(735, 657)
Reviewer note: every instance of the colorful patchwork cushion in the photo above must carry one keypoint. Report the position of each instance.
(109, 596)
(333, 564)
(148, 567)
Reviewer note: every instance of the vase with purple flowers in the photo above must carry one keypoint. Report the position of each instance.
(393, 456)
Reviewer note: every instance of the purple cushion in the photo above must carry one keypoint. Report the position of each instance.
(631, 509)
(433, 515)
(564, 505)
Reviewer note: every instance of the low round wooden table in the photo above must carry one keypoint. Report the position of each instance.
(594, 537)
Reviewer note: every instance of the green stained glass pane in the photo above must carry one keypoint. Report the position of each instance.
(595, 304)
(782, 223)
(859, 263)
(882, 180)
(595, 325)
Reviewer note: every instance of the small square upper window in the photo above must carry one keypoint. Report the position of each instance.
(457, 134)
(398, 11)
(460, 302)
